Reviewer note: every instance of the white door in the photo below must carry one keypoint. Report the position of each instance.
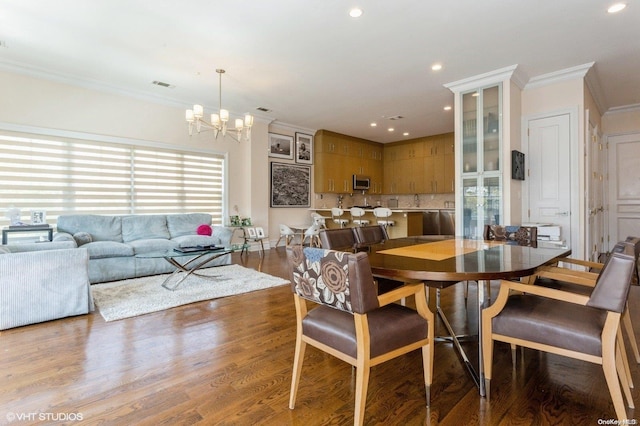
(595, 167)
(549, 172)
(624, 187)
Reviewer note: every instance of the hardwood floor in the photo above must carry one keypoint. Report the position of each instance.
(228, 362)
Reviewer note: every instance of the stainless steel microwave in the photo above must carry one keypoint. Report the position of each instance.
(361, 183)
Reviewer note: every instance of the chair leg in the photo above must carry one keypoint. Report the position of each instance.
(362, 384)
(297, 370)
(278, 242)
(624, 358)
(628, 327)
(623, 371)
(611, 376)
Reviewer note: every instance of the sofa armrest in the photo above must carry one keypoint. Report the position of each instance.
(224, 234)
(39, 286)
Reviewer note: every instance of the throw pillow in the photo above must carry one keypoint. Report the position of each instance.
(204, 230)
(82, 238)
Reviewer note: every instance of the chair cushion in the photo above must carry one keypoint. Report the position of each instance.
(552, 322)
(391, 327)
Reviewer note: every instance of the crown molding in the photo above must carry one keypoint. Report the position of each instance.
(572, 73)
(292, 127)
(491, 77)
(623, 109)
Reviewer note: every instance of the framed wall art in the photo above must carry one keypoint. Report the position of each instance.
(290, 185)
(517, 165)
(280, 146)
(304, 148)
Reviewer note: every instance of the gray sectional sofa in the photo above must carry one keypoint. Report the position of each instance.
(114, 241)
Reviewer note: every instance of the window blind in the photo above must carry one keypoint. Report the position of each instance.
(64, 175)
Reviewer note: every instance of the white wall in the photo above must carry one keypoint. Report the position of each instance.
(41, 103)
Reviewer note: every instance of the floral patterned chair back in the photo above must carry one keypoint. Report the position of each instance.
(337, 279)
(520, 235)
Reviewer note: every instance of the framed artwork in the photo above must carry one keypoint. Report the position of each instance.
(304, 148)
(260, 232)
(251, 232)
(280, 146)
(38, 217)
(517, 165)
(290, 185)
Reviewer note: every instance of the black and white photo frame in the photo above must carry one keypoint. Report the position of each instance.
(304, 148)
(280, 146)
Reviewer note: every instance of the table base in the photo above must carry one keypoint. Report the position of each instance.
(190, 267)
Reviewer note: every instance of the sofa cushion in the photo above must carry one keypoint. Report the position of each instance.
(103, 249)
(186, 224)
(139, 227)
(196, 240)
(151, 245)
(101, 228)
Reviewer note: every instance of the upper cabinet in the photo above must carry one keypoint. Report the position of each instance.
(339, 157)
(420, 166)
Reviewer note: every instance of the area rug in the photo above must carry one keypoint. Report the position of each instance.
(138, 296)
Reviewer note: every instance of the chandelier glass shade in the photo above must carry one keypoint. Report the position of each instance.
(218, 123)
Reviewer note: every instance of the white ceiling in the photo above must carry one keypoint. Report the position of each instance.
(310, 63)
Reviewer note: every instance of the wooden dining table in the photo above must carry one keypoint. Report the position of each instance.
(443, 261)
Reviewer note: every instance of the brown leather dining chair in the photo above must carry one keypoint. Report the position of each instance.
(577, 326)
(338, 239)
(563, 277)
(350, 321)
(368, 235)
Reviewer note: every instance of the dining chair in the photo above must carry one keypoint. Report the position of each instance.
(356, 216)
(512, 234)
(382, 215)
(287, 233)
(318, 219)
(564, 276)
(343, 239)
(312, 233)
(351, 321)
(577, 326)
(368, 235)
(336, 214)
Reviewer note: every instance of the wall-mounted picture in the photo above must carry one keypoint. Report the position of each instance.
(290, 185)
(251, 232)
(517, 165)
(304, 148)
(280, 146)
(260, 232)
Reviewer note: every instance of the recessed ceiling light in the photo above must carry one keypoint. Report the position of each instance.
(405, 134)
(355, 12)
(436, 67)
(373, 124)
(616, 7)
(390, 129)
(447, 108)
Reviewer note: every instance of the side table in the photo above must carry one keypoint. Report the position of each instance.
(26, 228)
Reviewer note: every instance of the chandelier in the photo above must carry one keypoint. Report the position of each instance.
(219, 121)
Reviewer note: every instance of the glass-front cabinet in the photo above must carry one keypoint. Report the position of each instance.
(481, 121)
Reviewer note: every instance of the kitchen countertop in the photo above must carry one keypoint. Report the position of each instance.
(394, 210)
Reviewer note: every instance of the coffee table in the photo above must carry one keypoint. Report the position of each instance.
(187, 263)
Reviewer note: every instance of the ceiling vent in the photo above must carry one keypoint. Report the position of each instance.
(263, 109)
(396, 117)
(163, 84)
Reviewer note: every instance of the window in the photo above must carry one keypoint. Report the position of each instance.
(62, 175)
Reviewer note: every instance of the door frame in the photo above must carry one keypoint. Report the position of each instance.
(576, 218)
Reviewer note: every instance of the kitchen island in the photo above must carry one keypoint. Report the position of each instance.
(408, 221)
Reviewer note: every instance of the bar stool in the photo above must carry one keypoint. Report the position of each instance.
(356, 216)
(319, 220)
(335, 215)
(382, 213)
